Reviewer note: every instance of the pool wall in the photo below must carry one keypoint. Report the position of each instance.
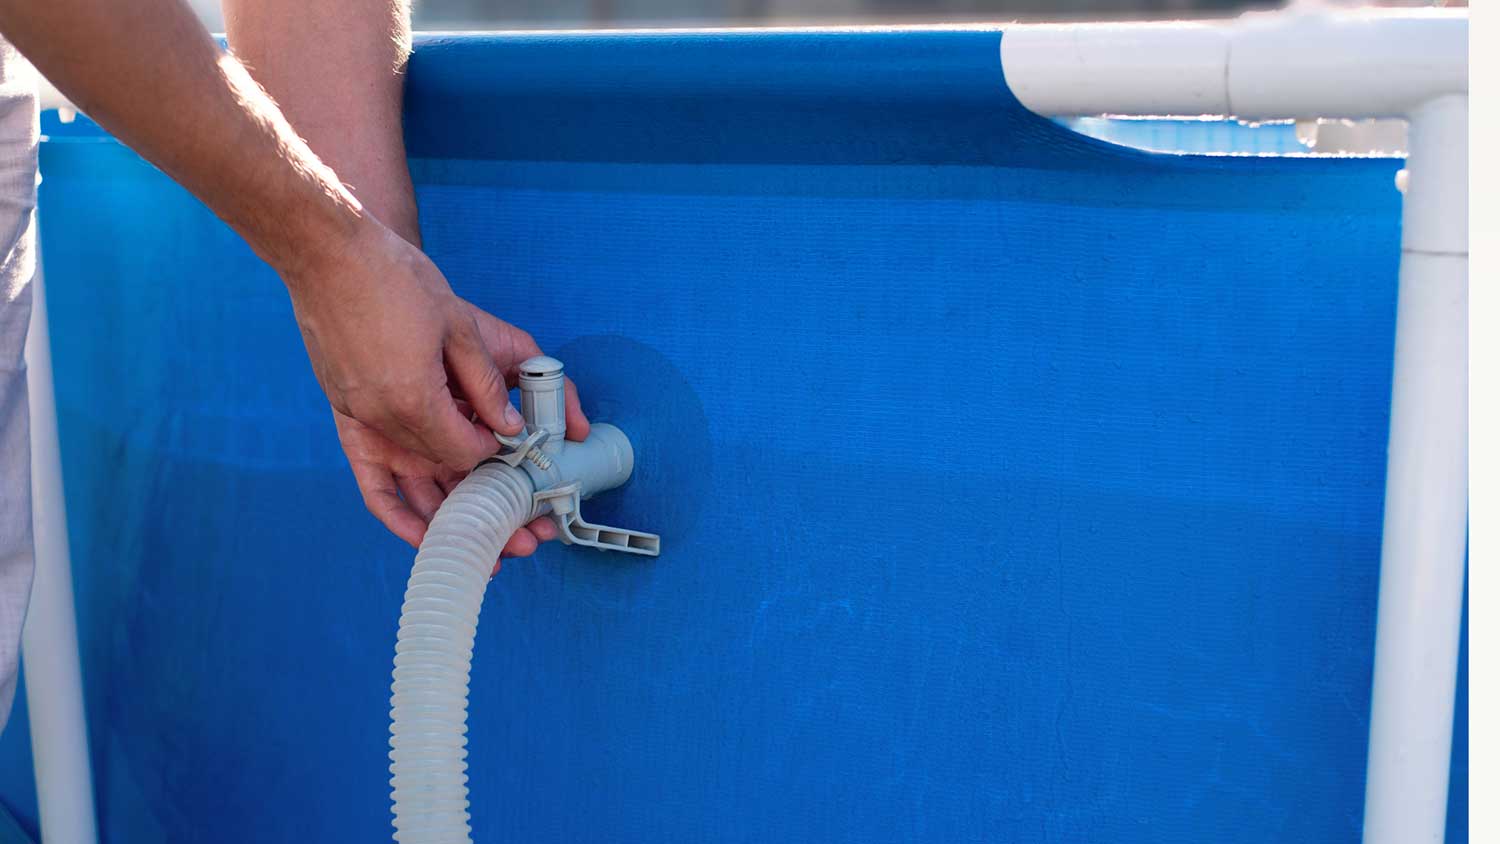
(1012, 486)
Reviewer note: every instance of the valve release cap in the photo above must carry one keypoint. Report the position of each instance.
(541, 367)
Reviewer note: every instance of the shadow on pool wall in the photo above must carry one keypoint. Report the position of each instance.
(1012, 486)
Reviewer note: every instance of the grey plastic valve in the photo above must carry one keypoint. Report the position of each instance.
(566, 473)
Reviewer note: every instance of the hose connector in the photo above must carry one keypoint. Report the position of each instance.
(566, 473)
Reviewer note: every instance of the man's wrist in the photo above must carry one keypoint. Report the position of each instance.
(315, 224)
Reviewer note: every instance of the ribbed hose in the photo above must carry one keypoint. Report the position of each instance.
(430, 687)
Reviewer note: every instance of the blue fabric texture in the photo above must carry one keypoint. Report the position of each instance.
(1012, 486)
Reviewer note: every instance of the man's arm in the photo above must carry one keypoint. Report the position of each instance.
(383, 330)
(149, 73)
(336, 68)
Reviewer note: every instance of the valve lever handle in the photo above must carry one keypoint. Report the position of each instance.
(574, 530)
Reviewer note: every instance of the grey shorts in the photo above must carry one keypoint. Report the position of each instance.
(18, 140)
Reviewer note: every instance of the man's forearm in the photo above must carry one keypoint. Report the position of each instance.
(335, 67)
(192, 111)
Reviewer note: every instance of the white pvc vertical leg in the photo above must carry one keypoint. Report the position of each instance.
(49, 641)
(1426, 498)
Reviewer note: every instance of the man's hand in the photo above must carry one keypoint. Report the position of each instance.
(386, 335)
(417, 377)
(336, 69)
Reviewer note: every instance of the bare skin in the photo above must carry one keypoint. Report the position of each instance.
(352, 119)
(417, 377)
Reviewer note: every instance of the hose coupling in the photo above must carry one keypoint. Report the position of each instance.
(565, 473)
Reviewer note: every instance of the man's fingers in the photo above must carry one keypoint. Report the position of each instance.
(422, 495)
(428, 423)
(505, 342)
(482, 382)
(447, 479)
(446, 436)
(381, 496)
(578, 424)
(522, 543)
(543, 529)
